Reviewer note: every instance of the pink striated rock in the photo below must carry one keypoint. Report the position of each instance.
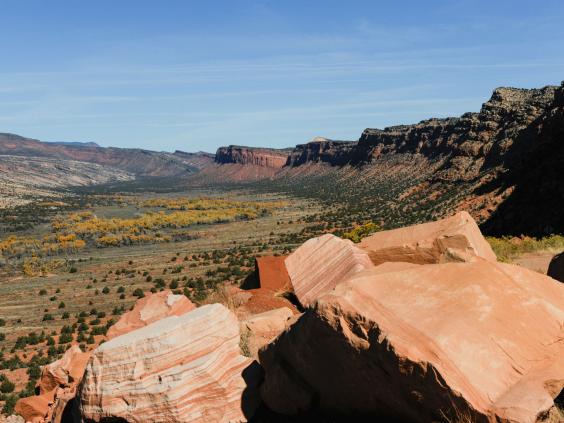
(454, 239)
(184, 368)
(480, 342)
(149, 309)
(319, 264)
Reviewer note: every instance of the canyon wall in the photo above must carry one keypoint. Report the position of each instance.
(264, 157)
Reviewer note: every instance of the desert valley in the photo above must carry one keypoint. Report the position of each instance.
(290, 284)
(281, 212)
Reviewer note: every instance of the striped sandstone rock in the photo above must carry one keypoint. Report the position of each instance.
(319, 264)
(184, 368)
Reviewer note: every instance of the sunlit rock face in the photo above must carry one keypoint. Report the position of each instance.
(420, 343)
(184, 368)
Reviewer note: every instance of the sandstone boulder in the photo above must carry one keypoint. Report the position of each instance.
(454, 239)
(319, 264)
(478, 342)
(149, 309)
(185, 368)
(556, 267)
(57, 386)
(272, 273)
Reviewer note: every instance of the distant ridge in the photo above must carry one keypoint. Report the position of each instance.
(74, 143)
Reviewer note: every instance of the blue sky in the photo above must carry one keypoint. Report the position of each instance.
(194, 75)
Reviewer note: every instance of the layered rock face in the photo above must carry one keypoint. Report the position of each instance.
(263, 157)
(57, 388)
(319, 264)
(480, 341)
(178, 369)
(453, 239)
(322, 150)
(149, 309)
(473, 141)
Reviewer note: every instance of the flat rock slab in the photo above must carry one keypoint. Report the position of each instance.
(454, 239)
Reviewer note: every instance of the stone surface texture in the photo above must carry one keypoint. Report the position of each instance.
(482, 341)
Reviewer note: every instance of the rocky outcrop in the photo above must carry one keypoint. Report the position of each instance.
(319, 264)
(556, 267)
(472, 141)
(263, 157)
(322, 150)
(184, 368)
(149, 309)
(57, 388)
(438, 342)
(453, 239)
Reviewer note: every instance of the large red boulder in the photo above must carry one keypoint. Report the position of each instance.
(272, 273)
(479, 341)
(57, 387)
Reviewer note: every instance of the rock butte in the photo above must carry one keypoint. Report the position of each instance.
(482, 340)
(149, 309)
(180, 369)
(319, 264)
(454, 239)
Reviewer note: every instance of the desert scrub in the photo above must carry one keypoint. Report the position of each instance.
(507, 248)
(361, 231)
(244, 342)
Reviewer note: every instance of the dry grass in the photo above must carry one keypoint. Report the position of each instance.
(507, 248)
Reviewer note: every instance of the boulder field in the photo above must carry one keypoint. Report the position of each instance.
(414, 325)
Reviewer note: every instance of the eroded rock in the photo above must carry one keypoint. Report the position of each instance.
(184, 368)
(259, 329)
(57, 387)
